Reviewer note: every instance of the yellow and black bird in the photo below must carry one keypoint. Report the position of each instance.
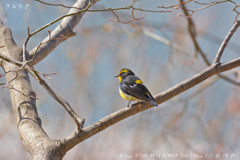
(132, 88)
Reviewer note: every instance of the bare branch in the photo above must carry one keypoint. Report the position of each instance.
(225, 42)
(64, 28)
(25, 44)
(133, 8)
(9, 86)
(174, 6)
(234, 9)
(71, 112)
(207, 5)
(51, 4)
(10, 60)
(118, 20)
(68, 108)
(205, 86)
(192, 32)
(49, 39)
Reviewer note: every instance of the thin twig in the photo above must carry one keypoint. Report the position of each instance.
(234, 9)
(174, 6)
(5, 72)
(61, 5)
(225, 42)
(10, 60)
(67, 15)
(9, 86)
(49, 39)
(207, 5)
(118, 20)
(65, 104)
(25, 44)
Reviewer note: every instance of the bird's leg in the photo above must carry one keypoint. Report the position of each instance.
(128, 103)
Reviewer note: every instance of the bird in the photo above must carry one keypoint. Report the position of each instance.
(131, 88)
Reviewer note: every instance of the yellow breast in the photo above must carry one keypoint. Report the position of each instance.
(126, 96)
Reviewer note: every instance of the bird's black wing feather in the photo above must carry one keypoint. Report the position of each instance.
(137, 90)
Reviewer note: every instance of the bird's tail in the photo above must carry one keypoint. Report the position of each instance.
(152, 101)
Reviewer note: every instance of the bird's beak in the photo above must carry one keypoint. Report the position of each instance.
(116, 76)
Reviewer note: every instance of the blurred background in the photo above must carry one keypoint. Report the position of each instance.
(203, 120)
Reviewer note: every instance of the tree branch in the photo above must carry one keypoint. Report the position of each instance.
(225, 42)
(64, 28)
(192, 32)
(65, 104)
(71, 112)
(56, 4)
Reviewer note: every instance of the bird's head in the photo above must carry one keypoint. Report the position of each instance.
(124, 73)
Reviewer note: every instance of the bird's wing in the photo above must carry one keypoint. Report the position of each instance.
(136, 90)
